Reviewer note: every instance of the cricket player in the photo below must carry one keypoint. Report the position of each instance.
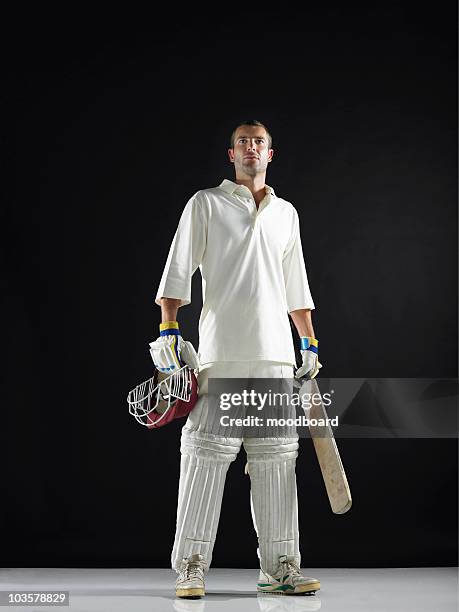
(245, 239)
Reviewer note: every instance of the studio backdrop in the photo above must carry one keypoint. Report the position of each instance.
(107, 137)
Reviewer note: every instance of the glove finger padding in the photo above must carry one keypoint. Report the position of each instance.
(188, 355)
(302, 372)
(316, 369)
(310, 367)
(165, 352)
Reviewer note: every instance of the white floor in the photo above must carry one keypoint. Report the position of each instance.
(343, 590)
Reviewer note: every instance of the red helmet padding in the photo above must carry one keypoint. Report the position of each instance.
(177, 410)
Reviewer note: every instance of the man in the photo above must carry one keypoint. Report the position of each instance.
(246, 242)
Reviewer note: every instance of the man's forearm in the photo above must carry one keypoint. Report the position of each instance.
(169, 308)
(303, 322)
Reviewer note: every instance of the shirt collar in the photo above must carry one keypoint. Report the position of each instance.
(231, 187)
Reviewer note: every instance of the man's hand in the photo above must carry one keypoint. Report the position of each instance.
(310, 353)
(170, 352)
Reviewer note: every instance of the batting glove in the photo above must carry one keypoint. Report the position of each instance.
(310, 353)
(170, 351)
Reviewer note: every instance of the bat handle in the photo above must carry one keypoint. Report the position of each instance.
(299, 382)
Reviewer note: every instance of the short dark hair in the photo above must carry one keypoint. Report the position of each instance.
(251, 122)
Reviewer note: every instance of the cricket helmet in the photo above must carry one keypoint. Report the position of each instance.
(164, 397)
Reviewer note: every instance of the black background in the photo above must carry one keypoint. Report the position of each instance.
(109, 125)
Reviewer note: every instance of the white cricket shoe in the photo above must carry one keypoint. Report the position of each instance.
(190, 582)
(287, 580)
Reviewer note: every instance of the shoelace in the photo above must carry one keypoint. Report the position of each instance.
(291, 568)
(193, 570)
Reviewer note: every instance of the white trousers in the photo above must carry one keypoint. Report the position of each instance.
(205, 459)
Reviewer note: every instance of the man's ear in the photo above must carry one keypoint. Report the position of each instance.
(270, 154)
(231, 155)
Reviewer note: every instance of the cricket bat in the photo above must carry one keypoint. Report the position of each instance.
(327, 452)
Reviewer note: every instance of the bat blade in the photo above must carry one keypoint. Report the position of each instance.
(331, 466)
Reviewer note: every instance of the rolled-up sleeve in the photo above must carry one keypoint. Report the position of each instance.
(297, 290)
(185, 254)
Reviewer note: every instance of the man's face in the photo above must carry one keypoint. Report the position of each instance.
(250, 154)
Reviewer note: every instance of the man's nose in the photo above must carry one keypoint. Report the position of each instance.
(251, 145)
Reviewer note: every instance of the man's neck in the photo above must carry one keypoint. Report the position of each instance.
(255, 184)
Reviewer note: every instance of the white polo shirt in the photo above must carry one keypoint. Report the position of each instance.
(252, 268)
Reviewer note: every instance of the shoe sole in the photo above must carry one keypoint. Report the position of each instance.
(284, 589)
(197, 592)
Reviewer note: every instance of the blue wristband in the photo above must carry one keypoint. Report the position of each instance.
(309, 344)
(170, 332)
